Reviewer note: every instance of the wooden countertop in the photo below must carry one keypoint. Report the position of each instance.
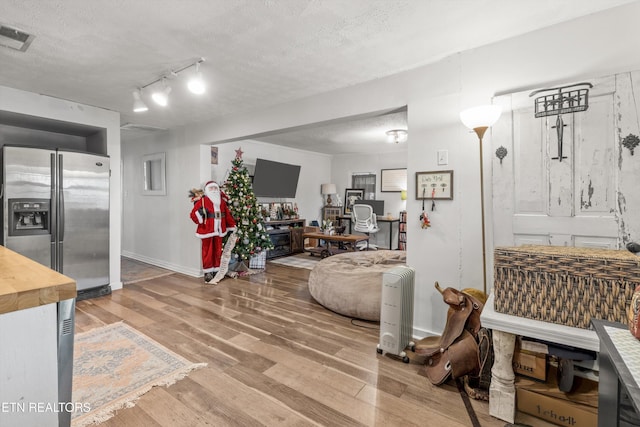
(25, 283)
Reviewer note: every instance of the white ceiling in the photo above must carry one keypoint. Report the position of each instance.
(258, 52)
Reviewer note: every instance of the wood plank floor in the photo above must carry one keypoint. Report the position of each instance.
(275, 358)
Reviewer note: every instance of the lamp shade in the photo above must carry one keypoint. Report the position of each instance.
(403, 194)
(328, 189)
(480, 116)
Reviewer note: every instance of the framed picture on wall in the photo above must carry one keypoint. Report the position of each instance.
(351, 195)
(434, 185)
(214, 155)
(393, 180)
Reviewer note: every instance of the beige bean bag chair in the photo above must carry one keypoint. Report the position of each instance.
(351, 283)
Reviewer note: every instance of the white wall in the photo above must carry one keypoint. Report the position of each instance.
(315, 169)
(33, 104)
(342, 168)
(158, 230)
(450, 251)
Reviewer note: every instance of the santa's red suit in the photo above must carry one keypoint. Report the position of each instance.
(214, 221)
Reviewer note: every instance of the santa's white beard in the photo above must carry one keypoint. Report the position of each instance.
(214, 196)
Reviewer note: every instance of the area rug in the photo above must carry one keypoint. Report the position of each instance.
(299, 261)
(114, 365)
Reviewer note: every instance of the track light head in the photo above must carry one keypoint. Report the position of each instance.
(196, 83)
(161, 96)
(138, 104)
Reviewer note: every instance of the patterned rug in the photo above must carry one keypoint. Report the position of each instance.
(114, 365)
(300, 261)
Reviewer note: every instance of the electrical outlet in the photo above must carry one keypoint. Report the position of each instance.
(443, 157)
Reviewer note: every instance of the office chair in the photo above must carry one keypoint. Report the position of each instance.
(364, 221)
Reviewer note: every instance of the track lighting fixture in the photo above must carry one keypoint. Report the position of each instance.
(138, 104)
(161, 95)
(196, 83)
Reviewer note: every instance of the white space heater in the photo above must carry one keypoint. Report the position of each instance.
(396, 312)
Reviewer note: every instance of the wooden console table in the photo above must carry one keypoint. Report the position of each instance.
(619, 373)
(502, 392)
(349, 240)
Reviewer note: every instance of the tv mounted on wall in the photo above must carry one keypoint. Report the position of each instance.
(275, 179)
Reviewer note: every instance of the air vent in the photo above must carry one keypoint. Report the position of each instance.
(67, 326)
(146, 128)
(15, 39)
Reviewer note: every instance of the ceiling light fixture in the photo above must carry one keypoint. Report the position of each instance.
(138, 104)
(196, 83)
(396, 135)
(161, 95)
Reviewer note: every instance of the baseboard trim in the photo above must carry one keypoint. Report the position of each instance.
(163, 264)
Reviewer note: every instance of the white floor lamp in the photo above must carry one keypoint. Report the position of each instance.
(479, 119)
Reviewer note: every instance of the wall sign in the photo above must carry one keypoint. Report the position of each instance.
(434, 185)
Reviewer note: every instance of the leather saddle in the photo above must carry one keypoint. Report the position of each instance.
(456, 351)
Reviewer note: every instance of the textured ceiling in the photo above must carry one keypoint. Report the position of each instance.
(258, 52)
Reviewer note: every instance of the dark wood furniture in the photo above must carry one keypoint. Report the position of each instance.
(286, 236)
(333, 244)
(332, 213)
(618, 390)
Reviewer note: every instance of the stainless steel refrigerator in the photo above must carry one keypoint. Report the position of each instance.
(55, 210)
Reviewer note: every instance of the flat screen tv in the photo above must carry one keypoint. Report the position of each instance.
(275, 179)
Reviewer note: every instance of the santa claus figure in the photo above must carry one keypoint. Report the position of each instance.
(214, 221)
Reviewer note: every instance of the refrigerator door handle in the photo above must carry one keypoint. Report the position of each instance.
(53, 216)
(60, 242)
(61, 202)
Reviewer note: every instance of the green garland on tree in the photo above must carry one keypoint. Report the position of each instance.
(252, 234)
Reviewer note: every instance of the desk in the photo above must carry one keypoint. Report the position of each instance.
(349, 239)
(502, 392)
(619, 373)
(379, 219)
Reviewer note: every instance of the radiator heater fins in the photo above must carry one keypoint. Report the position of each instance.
(396, 312)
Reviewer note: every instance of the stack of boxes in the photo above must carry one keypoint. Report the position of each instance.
(538, 393)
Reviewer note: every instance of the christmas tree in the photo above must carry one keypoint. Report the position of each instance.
(252, 234)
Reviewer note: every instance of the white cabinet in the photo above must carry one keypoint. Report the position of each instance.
(29, 367)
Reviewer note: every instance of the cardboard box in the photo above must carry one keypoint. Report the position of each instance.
(557, 411)
(584, 391)
(530, 364)
(544, 400)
